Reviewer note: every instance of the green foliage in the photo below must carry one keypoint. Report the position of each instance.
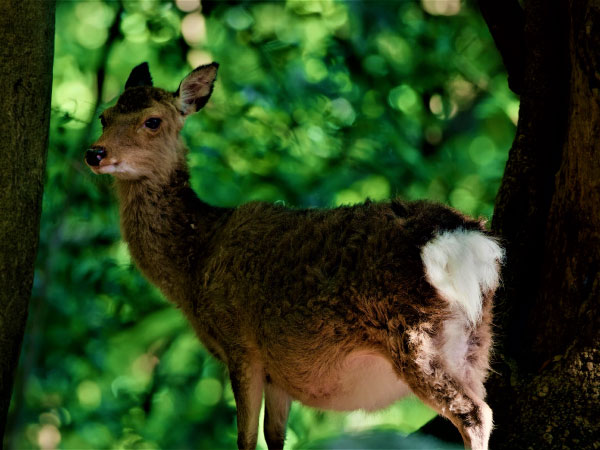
(317, 103)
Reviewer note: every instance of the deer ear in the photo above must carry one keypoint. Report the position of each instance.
(139, 76)
(195, 89)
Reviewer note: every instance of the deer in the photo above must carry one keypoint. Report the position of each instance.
(342, 309)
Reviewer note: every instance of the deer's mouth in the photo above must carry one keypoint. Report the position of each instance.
(108, 167)
(119, 169)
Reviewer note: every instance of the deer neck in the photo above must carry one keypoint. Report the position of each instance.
(167, 229)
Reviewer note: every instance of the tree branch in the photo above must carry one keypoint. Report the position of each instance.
(506, 22)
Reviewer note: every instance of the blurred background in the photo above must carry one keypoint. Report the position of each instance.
(317, 104)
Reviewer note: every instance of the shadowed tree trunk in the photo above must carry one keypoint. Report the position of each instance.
(545, 391)
(27, 37)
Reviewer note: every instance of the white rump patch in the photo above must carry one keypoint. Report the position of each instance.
(462, 265)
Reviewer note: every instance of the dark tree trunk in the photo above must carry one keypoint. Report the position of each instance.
(26, 52)
(546, 393)
(545, 388)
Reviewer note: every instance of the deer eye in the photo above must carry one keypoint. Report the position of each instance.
(102, 121)
(153, 123)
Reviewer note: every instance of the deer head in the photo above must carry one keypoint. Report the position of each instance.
(140, 134)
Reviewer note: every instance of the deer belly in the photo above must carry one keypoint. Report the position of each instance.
(364, 381)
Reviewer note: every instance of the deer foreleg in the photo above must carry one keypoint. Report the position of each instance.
(247, 385)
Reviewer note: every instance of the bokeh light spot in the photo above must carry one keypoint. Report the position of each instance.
(209, 391)
(462, 91)
(315, 133)
(187, 5)
(165, 29)
(197, 57)
(395, 49)
(134, 27)
(466, 195)
(375, 187)
(512, 111)
(372, 106)
(238, 18)
(482, 150)
(48, 437)
(193, 28)
(347, 197)
(76, 98)
(164, 402)
(89, 394)
(441, 7)
(89, 36)
(436, 105)
(442, 108)
(403, 98)
(315, 70)
(463, 200)
(342, 110)
(97, 14)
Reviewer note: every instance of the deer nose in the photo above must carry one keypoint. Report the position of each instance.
(94, 155)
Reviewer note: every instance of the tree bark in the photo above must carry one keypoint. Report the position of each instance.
(545, 384)
(27, 36)
(545, 391)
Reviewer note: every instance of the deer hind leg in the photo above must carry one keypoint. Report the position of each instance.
(434, 379)
(247, 379)
(465, 350)
(479, 341)
(277, 408)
